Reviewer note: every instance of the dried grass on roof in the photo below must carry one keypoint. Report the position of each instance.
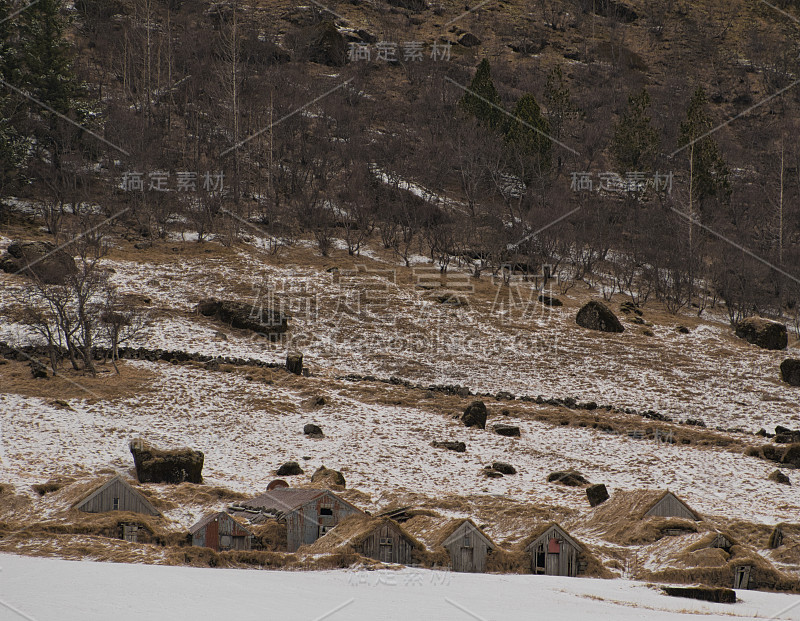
(432, 530)
(620, 519)
(697, 563)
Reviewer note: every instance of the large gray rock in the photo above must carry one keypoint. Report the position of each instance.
(597, 316)
(763, 333)
(290, 468)
(511, 431)
(39, 259)
(504, 468)
(312, 430)
(571, 478)
(790, 371)
(779, 477)
(597, 494)
(458, 447)
(475, 415)
(155, 465)
(244, 316)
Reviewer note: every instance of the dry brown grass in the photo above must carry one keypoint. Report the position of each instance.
(15, 378)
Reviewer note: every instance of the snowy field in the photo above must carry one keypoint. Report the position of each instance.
(34, 589)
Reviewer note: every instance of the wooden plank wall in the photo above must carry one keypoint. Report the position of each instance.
(399, 552)
(472, 560)
(565, 563)
(303, 524)
(669, 506)
(128, 500)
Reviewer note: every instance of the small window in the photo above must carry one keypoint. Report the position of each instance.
(225, 541)
(386, 541)
(467, 541)
(116, 504)
(326, 511)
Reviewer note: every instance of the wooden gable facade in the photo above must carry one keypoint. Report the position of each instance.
(220, 532)
(669, 505)
(308, 513)
(554, 553)
(116, 495)
(468, 547)
(381, 539)
(387, 542)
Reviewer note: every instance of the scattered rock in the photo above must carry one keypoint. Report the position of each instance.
(155, 465)
(290, 468)
(312, 430)
(779, 477)
(695, 422)
(784, 435)
(326, 44)
(571, 478)
(511, 431)
(38, 369)
(597, 316)
(318, 401)
(790, 371)
(469, 40)
(475, 415)
(763, 333)
(331, 478)
(212, 365)
(458, 447)
(244, 316)
(277, 484)
(492, 473)
(294, 363)
(412, 5)
(550, 301)
(39, 259)
(504, 395)
(597, 494)
(629, 307)
(682, 329)
(503, 468)
(791, 455)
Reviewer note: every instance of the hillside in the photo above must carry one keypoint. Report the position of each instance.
(421, 230)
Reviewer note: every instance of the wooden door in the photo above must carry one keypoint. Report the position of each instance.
(467, 559)
(385, 551)
(551, 563)
(741, 579)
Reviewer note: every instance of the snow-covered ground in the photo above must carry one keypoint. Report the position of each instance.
(248, 428)
(36, 589)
